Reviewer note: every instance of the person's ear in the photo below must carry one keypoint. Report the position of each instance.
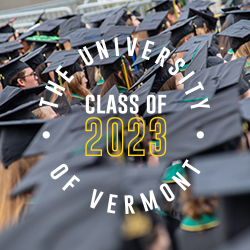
(120, 75)
(186, 39)
(21, 82)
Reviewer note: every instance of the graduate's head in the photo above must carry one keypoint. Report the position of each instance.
(25, 79)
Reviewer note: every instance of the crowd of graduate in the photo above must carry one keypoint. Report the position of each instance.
(211, 213)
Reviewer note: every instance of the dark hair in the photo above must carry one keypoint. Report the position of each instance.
(42, 78)
(169, 84)
(114, 79)
(13, 80)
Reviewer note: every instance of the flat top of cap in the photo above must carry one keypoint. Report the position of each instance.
(111, 59)
(49, 25)
(199, 5)
(151, 71)
(211, 121)
(180, 25)
(235, 180)
(111, 21)
(84, 36)
(152, 21)
(222, 75)
(240, 29)
(196, 40)
(10, 46)
(158, 40)
(209, 18)
(70, 25)
(154, 52)
(237, 11)
(64, 58)
(118, 30)
(34, 53)
(166, 5)
(4, 37)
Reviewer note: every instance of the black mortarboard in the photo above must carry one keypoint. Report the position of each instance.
(65, 58)
(177, 100)
(238, 33)
(49, 27)
(11, 97)
(155, 51)
(213, 122)
(117, 31)
(198, 5)
(164, 5)
(222, 75)
(195, 40)
(6, 28)
(15, 137)
(70, 25)
(181, 30)
(239, 15)
(34, 58)
(201, 18)
(26, 34)
(67, 212)
(152, 21)
(214, 60)
(158, 40)
(199, 61)
(83, 37)
(111, 21)
(4, 37)
(9, 50)
(233, 190)
(155, 69)
(110, 64)
(8, 70)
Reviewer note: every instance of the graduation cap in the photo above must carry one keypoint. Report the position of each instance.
(199, 61)
(83, 37)
(239, 14)
(238, 33)
(67, 212)
(4, 37)
(111, 21)
(34, 58)
(6, 28)
(152, 21)
(177, 100)
(211, 121)
(158, 40)
(110, 64)
(8, 70)
(151, 71)
(181, 30)
(233, 190)
(49, 27)
(220, 75)
(70, 25)
(9, 50)
(65, 58)
(163, 5)
(202, 18)
(198, 5)
(195, 40)
(155, 51)
(12, 97)
(15, 137)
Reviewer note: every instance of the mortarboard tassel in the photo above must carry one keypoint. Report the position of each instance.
(175, 11)
(125, 72)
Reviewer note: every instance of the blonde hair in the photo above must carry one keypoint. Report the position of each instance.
(202, 31)
(75, 87)
(11, 208)
(243, 50)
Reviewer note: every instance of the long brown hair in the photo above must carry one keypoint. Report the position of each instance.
(11, 208)
(75, 87)
(114, 79)
(169, 84)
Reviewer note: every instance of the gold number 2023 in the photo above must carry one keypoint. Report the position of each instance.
(93, 123)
